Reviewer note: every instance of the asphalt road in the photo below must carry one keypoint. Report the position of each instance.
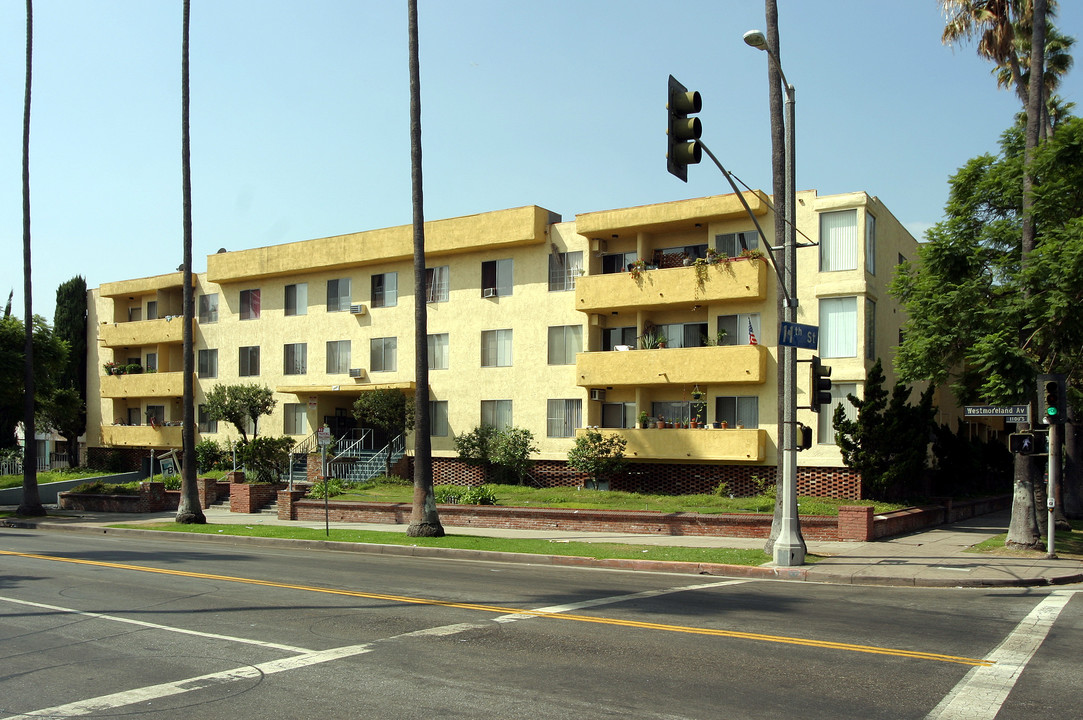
(98, 626)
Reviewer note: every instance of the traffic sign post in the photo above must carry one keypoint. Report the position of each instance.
(323, 437)
(791, 334)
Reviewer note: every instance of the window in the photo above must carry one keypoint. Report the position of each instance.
(338, 357)
(496, 278)
(496, 413)
(870, 243)
(564, 342)
(297, 299)
(612, 337)
(152, 310)
(838, 327)
(739, 410)
(690, 251)
(438, 345)
(838, 241)
(617, 262)
(208, 363)
(680, 411)
(737, 329)
(338, 295)
(495, 348)
(385, 290)
(438, 426)
(731, 244)
(618, 415)
(383, 354)
(135, 314)
(437, 280)
(151, 364)
(248, 361)
(563, 417)
(205, 424)
(870, 329)
(295, 359)
(294, 419)
(249, 304)
(825, 431)
(564, 268)
(683, 334)
(208, 308)
(155, 413)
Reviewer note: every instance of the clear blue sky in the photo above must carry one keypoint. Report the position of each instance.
(300, 116)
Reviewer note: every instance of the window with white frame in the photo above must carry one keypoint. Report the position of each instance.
(738, 410)
(297, 299)
(825, 431)
(739, 329)
(438, 425)
(838, 240)
(838, 327)
(496, 413)
(438, 351)
(294, 419)
(383, 354)
(496, 278)
(870, 329)
(564, 268)
(870, 243)
(688, 251)
(208, 308)
(151, 363)
(437, 282)
(679, 335)
(155, 413)
(295, 358)
(385, 290)
(619, 415)
(564, 342)
(204, 422)
(731, 244)
(617, 262)
(208, 363)
(681, 411)
(618, 337)
(339, 295)
(495, 348)
(338, 357)
(249, 304)
(563, 417)
(152, 310)
(248, 361)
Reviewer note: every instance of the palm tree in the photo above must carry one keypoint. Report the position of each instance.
(424, 520)
(31, 502)
(1058, 61)
(994, 23)
(189, 509)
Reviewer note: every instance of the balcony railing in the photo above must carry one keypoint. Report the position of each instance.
(143, 385)
(713, 445)
(142, 332)
(713, 365)
(141, 436)
(737, 280)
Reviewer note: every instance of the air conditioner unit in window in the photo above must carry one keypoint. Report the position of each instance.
(488, 292)
(357, 309)
(357, 372)
(597, 394)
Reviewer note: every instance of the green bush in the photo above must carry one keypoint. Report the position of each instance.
(265, 457)
(211, 456)
(460, 495)
(97, 487)
(330, 488)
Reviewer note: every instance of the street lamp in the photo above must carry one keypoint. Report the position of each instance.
(789, 548)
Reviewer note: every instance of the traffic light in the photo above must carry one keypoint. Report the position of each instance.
(804, 437)
(683, 131)
(819, 386)
(1053, 398)
(1021, 443)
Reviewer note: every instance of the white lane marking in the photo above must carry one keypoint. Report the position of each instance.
(155, 626)
(156, 692)
(982, 691)
(612, 599)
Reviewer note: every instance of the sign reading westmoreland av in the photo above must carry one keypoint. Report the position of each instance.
(995, 410)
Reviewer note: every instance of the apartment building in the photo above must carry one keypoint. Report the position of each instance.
(533, 322)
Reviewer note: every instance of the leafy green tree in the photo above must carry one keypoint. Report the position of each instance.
(266, 457)
(503, 455)
(239, 404)
(50, 356)
(600, 456)
(888, 441)
(66, 413)
(385, 409)
(473, 448)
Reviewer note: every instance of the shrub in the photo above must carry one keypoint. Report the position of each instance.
(210, 456)
(329, 488)
(459, 495)
(97, 487)
(600, 456)
(265, 457)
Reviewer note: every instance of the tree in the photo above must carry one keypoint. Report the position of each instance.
(50, 356)
(239, 405)
(387, 410)
(600, 456)
(994, 23)
(503, 455)
(473, 448)
(189, 509)
(67, 412)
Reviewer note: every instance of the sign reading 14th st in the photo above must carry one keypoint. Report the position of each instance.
(798, 335)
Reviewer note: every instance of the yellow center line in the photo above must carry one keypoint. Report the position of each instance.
(758, 637)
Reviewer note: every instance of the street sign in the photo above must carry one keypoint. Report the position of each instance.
(797, 335)
(323, 436)
(996, 411)
(1016, 419)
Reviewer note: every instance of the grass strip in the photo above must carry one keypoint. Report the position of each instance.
(1066, 544)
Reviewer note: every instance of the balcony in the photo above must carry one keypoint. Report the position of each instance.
(716, 365)
(141, 436)
(145, 385)
(745, 445)
(737, 280)
(142, 332)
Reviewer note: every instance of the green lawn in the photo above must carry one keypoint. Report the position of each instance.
(1066, 544)
(8, 481)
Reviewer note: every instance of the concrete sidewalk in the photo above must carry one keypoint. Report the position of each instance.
(932, 558)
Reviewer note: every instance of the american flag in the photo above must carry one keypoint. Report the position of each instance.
(751, 333)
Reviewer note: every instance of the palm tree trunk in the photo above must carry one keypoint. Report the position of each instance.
(189, 509)
(424, 520)
(31, 503)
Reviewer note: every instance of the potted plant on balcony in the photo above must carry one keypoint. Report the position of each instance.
(636, 268)
(661, 422)
(697, 394)
(110, 368)
(643, 417)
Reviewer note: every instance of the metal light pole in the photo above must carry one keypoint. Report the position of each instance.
(789, 548)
